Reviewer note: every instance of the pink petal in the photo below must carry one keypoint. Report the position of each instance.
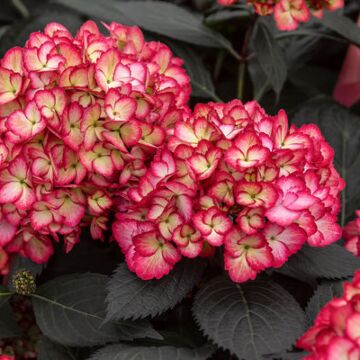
(7, 232)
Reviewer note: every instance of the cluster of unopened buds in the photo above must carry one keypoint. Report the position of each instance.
(335, 334)
(288, 14)
(351, 235)
(232, 176)
(24, 346)
(80, 119)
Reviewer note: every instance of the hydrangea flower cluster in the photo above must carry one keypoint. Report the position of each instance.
(81, 119)
(288, 14)
(7, 357)
(232, 176)
(336, 332)
(351, 235)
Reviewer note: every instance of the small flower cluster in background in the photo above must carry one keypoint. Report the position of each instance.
(336, 332)
(24, 347)
(80, 120)
(351, 235)
(232, 176)
(6, 357)
(288, 14)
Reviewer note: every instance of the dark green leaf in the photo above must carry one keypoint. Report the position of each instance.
(323, 294)
(138, 330)
(298, 50)
(269, 56)
(330, 262)
(341, 129)
(19, 33)
(286, 356)
(226, 15)
(70, 310)
(4, 295)
(131, 297)
(105, 10)
(8, 324)
(342, 25)
(251, 319)
(126, 352)
(155, 16)
(202, 85)
(259, 79)
(49, 350)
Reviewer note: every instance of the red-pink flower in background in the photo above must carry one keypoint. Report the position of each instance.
(226, 2)
(351, 235)
(347, 89)
(288, 14)
(7, 357)
(335, 334)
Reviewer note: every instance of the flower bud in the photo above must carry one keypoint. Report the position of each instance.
(24, 282)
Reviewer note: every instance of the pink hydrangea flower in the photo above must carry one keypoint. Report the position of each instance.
(231, 175)
(7, 357)
(288, 14)
(81, 119)
(335, 333)
(351, 234)
(226, 2)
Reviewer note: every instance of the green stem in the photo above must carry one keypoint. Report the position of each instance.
(343, 175)
(7, 294)
(243, 59)
(21, 8)
(232, 51)
(241, 80)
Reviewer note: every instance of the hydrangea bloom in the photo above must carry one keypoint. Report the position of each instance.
(351, 235)
(335, 333)
(230, 175)
(80, 120)
(288, 14)
(7, 357)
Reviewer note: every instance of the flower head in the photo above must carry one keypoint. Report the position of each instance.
(351, 234)
(288, 14)
(335, 333)
(236, 177)
(82, 119)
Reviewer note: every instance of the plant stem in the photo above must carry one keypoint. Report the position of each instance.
(231, 50)
(218, 65)
(343, 175)
(241, 80)
(21, 8)
(242, 65)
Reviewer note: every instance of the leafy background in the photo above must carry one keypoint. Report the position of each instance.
(89, 306)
